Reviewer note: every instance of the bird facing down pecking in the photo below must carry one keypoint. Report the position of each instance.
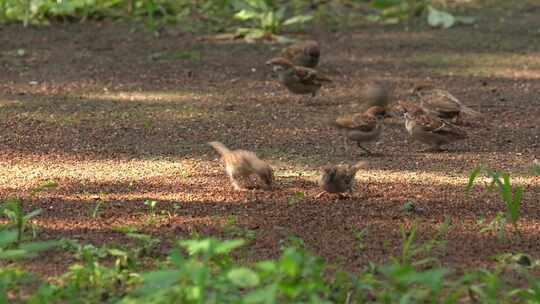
(241, 164)
(339, 179)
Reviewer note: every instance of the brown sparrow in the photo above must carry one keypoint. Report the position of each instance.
(298, 80)
(442, 104)
(375, 94)
(362, 127)
(305, 53)
(338, 179)
(242, 164)
(431, 130)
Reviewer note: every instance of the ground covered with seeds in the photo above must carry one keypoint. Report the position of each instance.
(120, 117)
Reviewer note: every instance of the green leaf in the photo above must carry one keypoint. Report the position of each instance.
(156, 280)
(14, 254)
(228, 246)
(243, 277)
(244, 15)
(195, 247)
(7, 237)
(266, 266)
(279, 15)
(437, 18)
(32, 214)
(384, 4)
(254, 35)
(268, 21)
(472, 177)
(298, 19)
(516, 203)
(290, 262)
(117, 252)
(263, 295)
(39, 246)
(506, 188)
(259, 4)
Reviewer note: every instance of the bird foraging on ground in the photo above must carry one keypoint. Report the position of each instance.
(442, 104)
(338, 179)
(241, 164)
(430, 130)
(362, 127)
(375, 94)
(304, 53)
(298, 80)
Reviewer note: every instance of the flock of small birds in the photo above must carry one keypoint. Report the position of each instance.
(433, 117)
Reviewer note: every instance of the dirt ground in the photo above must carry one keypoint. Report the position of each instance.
(123, 116)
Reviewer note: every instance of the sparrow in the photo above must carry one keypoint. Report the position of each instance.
(338, 179)
(305, 53)
(362, 127)
(297, 79)
(375, 94)
(242, 164)
(431, 130)
(442, 104)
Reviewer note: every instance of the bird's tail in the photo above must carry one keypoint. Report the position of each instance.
(324, 78)
(470, 112)
(219, 147)
(342, 122)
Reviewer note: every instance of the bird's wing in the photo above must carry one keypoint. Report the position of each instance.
(291, 52)
(356, 122)
(310, 76)
(440, 101)
(438, 126)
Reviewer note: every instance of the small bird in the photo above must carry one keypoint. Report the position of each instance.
(442, 104)
(338, 179)
(297, 79)
(362, 127)
(242, 164)
(304, 53)
(431, 130)
(375, 94)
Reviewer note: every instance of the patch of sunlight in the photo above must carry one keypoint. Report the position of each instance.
(431, 178)
(408, 176)
(24, 175)
(503, 65)
(176, 96)
(296, 173)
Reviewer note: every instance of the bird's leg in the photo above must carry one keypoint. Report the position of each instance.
(365, 150)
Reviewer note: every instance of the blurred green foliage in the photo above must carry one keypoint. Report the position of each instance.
(249, 19)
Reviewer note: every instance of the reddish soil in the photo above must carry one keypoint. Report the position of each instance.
(124, 116)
